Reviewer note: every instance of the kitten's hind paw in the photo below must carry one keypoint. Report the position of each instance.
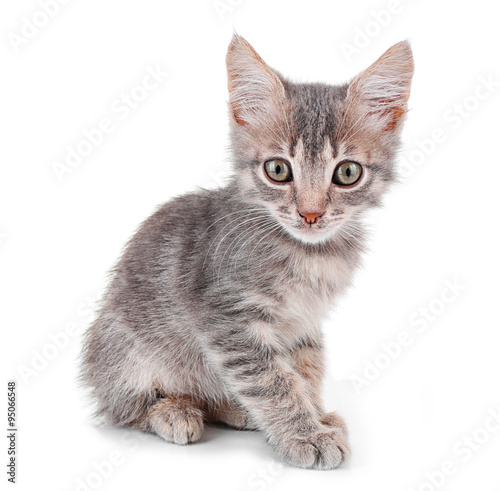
(232, 415)
(176, 420)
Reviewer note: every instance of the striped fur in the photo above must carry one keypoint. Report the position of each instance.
(213, 311)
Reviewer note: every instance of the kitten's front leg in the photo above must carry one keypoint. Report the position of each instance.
(309, 362)
(278, 399)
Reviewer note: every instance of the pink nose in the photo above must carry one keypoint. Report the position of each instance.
(311, 216)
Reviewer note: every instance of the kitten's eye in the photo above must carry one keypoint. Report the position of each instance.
(347, 173)
(278, 170)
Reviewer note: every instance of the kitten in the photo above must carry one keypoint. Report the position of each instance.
(213, 312)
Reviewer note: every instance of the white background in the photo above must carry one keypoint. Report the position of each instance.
(58, 238)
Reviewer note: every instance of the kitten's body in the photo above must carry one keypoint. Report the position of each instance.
(214, 309)
(168, 268)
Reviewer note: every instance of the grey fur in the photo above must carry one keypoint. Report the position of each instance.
(213, 310)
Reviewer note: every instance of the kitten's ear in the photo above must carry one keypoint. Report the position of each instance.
(254, 88)
(381, 91)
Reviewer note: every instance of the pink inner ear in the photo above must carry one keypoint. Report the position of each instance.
(395, 108)
(385, 85)
(252, 84)
(241, 122)
(393, 113)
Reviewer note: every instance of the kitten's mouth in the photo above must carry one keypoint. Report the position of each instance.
(312, 233)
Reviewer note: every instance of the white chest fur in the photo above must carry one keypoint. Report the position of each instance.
(310, 287)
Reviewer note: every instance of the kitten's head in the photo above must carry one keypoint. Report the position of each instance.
(316, 155)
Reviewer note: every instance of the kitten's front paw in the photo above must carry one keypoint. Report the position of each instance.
(325, 449)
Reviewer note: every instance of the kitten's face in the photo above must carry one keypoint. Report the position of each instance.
(316, 155)
(314, 178)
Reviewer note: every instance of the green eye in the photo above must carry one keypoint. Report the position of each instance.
(347, 173)
(278, 170)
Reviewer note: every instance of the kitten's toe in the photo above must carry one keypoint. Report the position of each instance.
(176, 420)
(334, 420)
(325, 449)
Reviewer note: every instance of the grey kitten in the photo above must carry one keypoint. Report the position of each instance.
(213, 312)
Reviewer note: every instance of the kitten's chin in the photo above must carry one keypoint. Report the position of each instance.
(311, 236)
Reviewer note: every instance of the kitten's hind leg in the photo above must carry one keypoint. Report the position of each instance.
(176, 419)
(231, 414)
(334, 420)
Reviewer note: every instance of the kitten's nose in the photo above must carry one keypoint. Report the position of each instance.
(311, 216)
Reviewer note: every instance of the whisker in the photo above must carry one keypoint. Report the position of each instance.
(229, 246)
(225, 216)
(230, 231)
(221, 231)
(275, 227)
(253, 234)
